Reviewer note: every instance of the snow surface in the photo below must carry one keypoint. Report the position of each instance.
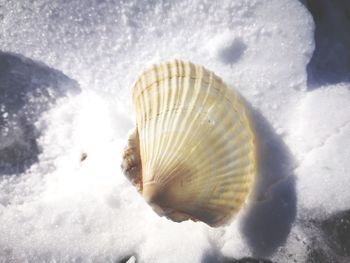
(64, 209)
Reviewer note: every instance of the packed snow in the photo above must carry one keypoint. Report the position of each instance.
(67, 70)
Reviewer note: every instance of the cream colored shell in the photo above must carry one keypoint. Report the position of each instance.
(192, 155)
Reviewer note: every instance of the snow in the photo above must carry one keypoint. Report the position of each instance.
(321, 145)
(56, 205)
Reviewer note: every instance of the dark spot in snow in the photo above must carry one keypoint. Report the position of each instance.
(233, 52)
(83, 156)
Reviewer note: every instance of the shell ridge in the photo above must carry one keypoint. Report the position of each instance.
(147, 129)
(207, 91)
(211, 186)
(196, 140)
(155, 131)
(177, 158)
(171, 146)
(239, 179)
(219, 148)
(168, 145)
(163, 120)
(232, 167)
(173, 101)
(142, 135)
(179, 140)
(176, 161)
(223, 95)
(179, 74)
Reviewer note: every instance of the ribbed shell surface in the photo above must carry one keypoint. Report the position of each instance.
(197, 146)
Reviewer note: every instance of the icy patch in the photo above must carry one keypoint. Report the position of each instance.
(322, 173)
(313, 128)
(320, 125)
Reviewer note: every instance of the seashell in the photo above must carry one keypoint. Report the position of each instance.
(192, 153)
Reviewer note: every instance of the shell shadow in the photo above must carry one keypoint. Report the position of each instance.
(27, 89)
(269, 218)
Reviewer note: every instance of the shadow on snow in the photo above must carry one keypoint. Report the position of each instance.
(27, 89)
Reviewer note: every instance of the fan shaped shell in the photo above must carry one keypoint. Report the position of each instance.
(195, 148)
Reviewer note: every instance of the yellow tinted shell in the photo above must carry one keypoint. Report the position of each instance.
(192, 154)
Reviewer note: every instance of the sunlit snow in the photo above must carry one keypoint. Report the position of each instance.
(66, 75)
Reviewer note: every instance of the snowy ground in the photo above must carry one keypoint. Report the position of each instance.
(66, 73)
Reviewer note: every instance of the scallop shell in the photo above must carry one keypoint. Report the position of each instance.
(192, 154)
